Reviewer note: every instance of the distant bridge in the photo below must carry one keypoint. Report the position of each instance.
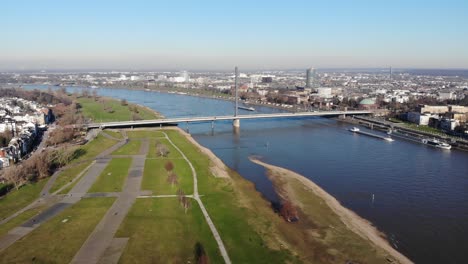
(234, 118)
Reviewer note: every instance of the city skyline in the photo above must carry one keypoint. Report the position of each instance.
(210, 35)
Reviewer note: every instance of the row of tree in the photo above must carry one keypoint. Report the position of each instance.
(40, 165)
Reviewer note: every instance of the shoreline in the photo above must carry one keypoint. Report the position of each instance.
(354, 222)
(187, 93)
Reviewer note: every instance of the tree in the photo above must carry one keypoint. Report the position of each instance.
(186, 204)
(200, 254)
(161, 149)
(136, 116)
(169, 166)
(95, 95)
(172, 178)
(14, 175)
(289, 212)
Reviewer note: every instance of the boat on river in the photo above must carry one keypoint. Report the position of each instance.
(436, 143)
(246, 108)
(357, 131)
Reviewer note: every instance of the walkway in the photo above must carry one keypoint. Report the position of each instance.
(57, 206)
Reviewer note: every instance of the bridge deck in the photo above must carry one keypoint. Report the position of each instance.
(217, 118)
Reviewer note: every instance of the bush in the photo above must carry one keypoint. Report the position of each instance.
(5, 188)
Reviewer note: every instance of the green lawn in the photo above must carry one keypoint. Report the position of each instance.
(155, 177)
(17, 199)
(95, 147)
(18, 220)
(56, 241)
(99, 111)
(113, 177)
(245, 230)
(68, 175)
(112, 133)
(160, 232)
(131, 148)
(173, 153)
(144, 134)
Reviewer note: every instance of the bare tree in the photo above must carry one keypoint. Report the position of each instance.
(172, 178)
(14, 175)
(95, 95)
(162, 150)
(186, 203)
(289, 212)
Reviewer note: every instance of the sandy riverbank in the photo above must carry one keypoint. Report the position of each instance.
(354, 222)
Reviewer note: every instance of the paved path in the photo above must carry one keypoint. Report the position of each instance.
(100, 245)
(76, 193)
(210, 223)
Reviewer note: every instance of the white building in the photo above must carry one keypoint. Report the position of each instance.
(324, 92)
(418, 118)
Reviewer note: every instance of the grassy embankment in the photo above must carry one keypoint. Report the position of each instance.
(422, 128)
(108, 110)
(113, 176)
(17, 199)
(174, 240)
(90, 151)
(57, 241)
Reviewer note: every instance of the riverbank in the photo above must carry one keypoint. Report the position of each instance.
(324, 240)
(355, 223)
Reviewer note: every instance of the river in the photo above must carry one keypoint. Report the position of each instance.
(420, 193)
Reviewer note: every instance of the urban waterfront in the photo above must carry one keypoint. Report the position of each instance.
(420, 193)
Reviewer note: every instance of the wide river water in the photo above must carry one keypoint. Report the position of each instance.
(420, 193)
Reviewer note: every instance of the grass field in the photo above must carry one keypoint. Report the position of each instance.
(155, 177)
(17, 199)
(160, 232)
(131, 148)
(98, 110)
(95, 147)
(113, 177)
(68, 175)
(56, 241)
(112, 133)
(144, 134)
(243, 218)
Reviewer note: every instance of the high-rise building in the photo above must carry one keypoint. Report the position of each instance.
(311, 78)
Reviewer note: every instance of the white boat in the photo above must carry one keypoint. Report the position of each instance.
(246, 108)
(436, 143)
(354, 129)
(388, 139)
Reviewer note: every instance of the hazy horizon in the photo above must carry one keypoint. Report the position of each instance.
(211, 35)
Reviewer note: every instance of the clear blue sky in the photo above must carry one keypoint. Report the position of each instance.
(220, 34)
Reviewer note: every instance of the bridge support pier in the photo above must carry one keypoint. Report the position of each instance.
(342, 116)
(212, 124)
(236, 123)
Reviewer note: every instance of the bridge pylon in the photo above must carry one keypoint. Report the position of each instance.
(236, 123)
